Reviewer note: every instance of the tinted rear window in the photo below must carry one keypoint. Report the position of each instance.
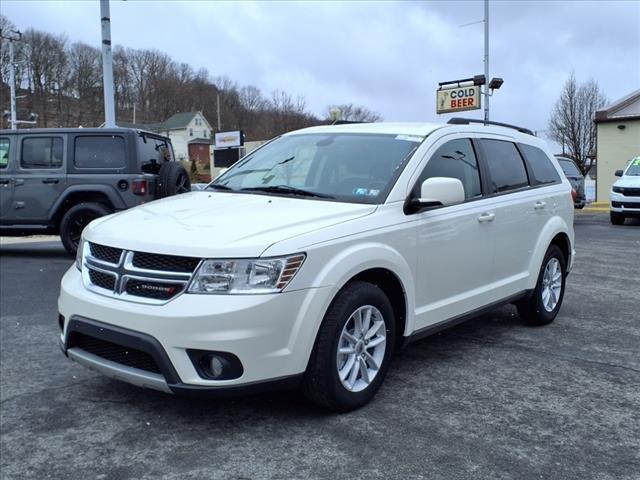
(100, 152)
(569, 168)
(542, 170)
(41, 152)
(505, 165)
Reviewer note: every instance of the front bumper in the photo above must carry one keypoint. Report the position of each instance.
(272, 335)
(629, 206)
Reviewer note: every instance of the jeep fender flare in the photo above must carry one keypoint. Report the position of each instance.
(109, 192)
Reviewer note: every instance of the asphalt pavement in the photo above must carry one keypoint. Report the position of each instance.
(490, 399)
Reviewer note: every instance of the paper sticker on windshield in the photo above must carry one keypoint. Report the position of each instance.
(366, 192)
(636, 161)
(410, 138)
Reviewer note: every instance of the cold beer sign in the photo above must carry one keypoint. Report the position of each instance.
(458, 99)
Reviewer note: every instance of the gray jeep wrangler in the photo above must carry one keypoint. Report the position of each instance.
(56, 181)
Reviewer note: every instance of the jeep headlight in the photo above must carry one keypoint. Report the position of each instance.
(245, 276)
(79, 253)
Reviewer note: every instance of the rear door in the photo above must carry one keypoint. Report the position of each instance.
(40, 176)
(6, 178)
(514, 211)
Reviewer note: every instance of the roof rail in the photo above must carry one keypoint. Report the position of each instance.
(467, 121)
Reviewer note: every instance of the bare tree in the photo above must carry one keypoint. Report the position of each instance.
(353, 113)
(571, 123)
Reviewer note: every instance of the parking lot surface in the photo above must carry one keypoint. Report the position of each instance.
(490, 399)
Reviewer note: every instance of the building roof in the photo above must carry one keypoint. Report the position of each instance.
(625, 108)
(174, 122)
(201, 140)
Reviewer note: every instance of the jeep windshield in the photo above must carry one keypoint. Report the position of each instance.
(345, 167)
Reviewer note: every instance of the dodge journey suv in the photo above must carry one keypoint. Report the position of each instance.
(315, 257)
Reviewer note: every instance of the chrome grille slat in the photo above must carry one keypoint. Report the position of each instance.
(153, 285)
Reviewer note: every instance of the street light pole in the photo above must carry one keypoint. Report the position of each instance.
(486, 60)
(107, 66)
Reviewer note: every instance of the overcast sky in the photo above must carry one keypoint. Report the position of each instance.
(388, 56)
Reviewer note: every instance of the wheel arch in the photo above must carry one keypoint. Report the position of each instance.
(74, 195)
(555, 232)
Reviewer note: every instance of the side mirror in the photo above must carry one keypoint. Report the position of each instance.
(619, 173)
(438, 192)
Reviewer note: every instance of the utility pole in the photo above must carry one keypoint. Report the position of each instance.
(14, 36)
(107, 66)
(486, 60)
(218, 108)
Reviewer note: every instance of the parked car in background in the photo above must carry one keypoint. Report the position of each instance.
(625, 193)
(316, 256)
(575, 177)
(56, 181)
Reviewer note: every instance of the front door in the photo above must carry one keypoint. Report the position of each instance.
(40, 177)
(455, 253)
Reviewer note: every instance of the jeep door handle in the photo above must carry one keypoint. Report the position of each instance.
(486, 217)
(50, 180)
(539, 205)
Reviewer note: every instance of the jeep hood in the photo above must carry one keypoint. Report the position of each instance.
(628, 181)
(218, 224)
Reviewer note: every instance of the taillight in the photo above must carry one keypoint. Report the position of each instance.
(140, 186)
(574, 194)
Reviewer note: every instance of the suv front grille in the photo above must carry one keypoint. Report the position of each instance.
(129, 357)
(165, 263)
(149, 277)
(630, 192)
(104, 253)
(102, 280)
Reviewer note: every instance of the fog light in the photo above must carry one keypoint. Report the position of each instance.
(216, 367)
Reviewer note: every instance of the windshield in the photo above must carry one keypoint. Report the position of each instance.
(356, 168)
(569, 168)
(633, 169)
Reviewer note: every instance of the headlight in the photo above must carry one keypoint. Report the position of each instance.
(618, 189)
(244, 276)
(79, 253)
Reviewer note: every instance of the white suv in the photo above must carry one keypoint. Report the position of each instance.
(315, 257)
(625, 193)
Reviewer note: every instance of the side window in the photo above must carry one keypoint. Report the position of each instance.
(99, 152)
(41, 152)
(4, 152)
(542, 170)
(505, 165)
(455, 159)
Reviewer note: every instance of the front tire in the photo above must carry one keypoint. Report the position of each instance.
(544, 304)
(353, 349)
(617, 218)
(76, 219)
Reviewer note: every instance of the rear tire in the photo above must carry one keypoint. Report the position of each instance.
(172, 179)
(617, 218)
(544, 304)
(342, 382)
(76, 219)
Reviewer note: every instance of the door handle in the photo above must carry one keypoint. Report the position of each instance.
(50, 180)
(18, 181)
(486, 217)
(539, 205)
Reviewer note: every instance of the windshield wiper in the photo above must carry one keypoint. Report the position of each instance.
(219, 186)
(286, 189)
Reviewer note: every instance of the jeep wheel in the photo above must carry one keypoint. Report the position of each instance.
(76, 219)
(545, 302)
(172, 180)
(353, 349)
(617, 218)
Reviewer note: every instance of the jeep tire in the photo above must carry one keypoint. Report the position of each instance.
(172, 179)
(76, 219)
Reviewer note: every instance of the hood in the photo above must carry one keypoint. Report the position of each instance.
(218, 224)
(628, 181)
